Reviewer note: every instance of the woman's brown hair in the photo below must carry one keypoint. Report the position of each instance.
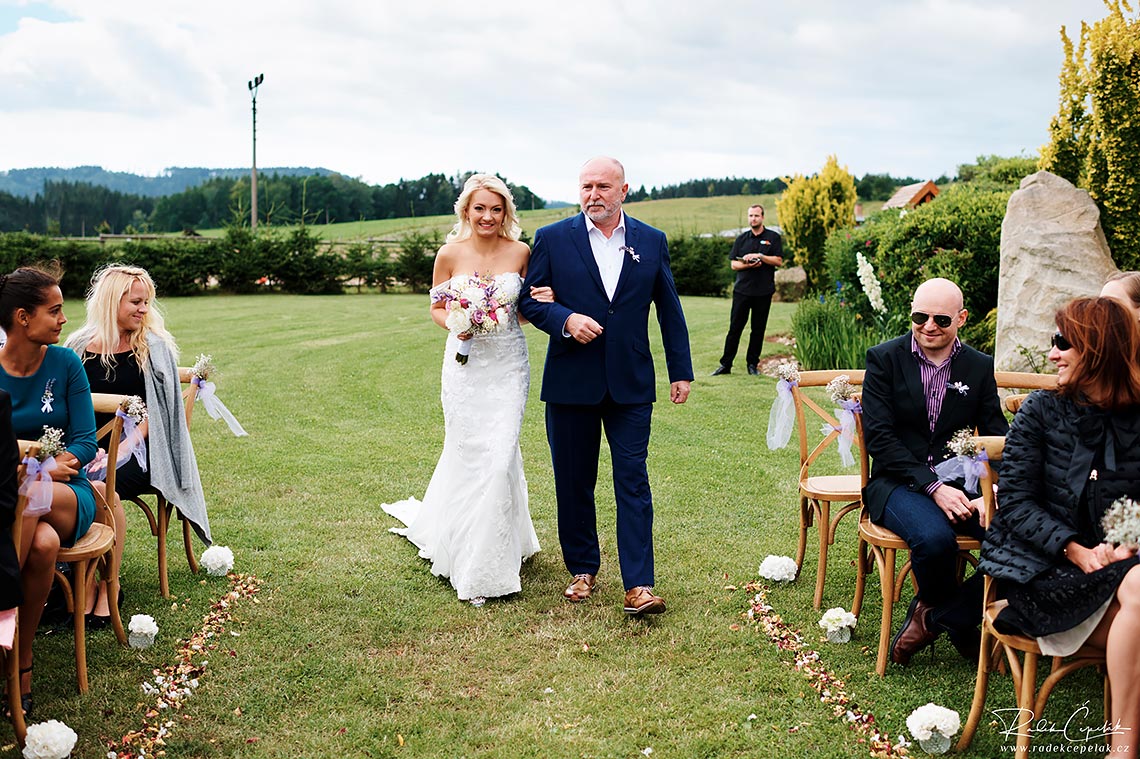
(26, 288)
(1107, 341)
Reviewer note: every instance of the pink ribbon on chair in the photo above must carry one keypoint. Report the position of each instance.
(37, 485)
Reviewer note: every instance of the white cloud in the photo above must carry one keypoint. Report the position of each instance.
(678, 90)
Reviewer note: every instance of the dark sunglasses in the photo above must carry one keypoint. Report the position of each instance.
(942, 320)
(1059, 342)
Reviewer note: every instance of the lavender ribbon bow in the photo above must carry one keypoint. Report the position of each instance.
(782, 417)
(133, 443)
(215, 408)
(846, 429)
(37, 485)
(967, 468)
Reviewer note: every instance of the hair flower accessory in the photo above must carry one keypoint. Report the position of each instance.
(632, 253)
(934, 726)
(961, 387)
(778, 568)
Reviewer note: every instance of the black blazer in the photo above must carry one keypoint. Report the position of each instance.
(895, 425)
(10, 594)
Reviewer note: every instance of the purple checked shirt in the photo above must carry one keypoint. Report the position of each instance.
(935, 380)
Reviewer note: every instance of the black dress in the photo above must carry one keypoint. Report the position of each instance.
(1064, 465)
(123, 378)
(11, 595)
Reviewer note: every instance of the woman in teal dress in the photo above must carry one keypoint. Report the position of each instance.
(48, 387)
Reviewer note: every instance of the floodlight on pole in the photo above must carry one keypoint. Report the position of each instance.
(253, 84)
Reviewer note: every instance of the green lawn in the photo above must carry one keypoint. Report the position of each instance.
(354, 647)
(677, 216)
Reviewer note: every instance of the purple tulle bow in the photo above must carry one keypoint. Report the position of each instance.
(37, 485)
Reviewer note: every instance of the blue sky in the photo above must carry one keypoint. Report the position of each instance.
(678, 90)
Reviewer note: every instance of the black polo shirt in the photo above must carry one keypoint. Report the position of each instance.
(756, 280)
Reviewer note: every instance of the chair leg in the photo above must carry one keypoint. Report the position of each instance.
(188, 544)
(163, 525)
(1027, 699)
(79, 591)
(112, 581)
(862, 559)
(981, 683)
(887, 584)
(805, 523)
(821, 570)
(12, 675)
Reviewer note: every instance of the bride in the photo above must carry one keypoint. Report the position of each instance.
(473, 523)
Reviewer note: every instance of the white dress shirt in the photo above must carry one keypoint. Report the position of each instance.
(608, 253)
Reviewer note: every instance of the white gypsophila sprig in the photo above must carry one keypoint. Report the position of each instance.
(218, 560)
(778, 568)
(962, 443)
(1121, 522)
(840, 389)
(51, 443)
(788, 371)
(870, 282)
(836, 619)
(49, 740)
(203, 366)
(136, 409)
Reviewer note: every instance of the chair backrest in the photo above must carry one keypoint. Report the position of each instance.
(111, 432)
(190, 394)
(806, 406)
(1025, 381)
(994, 446)
(1013, 402)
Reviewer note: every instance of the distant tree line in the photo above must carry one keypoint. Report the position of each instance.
(870, 187)
(28, 183)
(77, 208)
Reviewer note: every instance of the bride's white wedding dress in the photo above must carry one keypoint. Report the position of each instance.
(474, 523)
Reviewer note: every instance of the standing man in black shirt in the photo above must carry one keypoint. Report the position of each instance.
(754, 257)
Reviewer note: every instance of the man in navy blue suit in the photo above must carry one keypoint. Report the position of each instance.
(606, 270)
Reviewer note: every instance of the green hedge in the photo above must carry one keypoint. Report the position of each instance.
(700, 265)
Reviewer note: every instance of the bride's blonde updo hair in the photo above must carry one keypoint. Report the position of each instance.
(462, 229)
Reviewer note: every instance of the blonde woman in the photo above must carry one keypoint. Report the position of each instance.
(474, 523)
(126, 349)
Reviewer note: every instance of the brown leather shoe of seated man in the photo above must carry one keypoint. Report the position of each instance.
(914, 635)
(580, 588)
(640, 600)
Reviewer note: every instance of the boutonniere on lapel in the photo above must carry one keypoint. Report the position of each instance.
(961, 387)
(47, 397)
(632, 253)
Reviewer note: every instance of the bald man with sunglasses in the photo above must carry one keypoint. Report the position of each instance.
(918, 390)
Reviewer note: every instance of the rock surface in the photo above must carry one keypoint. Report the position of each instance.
(1052, 250)
(791, 284)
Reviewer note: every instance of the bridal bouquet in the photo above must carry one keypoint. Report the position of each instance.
(473, 308)
(967, 464)
(37, 485)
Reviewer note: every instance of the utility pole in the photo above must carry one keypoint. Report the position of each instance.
(253, 85)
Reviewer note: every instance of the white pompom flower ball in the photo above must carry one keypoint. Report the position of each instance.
(142, 629)
(933, 726)
(218, 560)
(778, 568)
(49, 740)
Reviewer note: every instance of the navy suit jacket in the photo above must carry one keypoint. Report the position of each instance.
(617, 361)
(895, 426)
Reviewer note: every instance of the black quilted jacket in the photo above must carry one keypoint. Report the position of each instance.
(1052, 449)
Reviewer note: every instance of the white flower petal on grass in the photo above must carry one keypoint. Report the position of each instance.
(218, 560)
(49, 740)
(778, 568)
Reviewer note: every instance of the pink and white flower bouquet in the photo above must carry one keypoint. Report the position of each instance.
(473, 307)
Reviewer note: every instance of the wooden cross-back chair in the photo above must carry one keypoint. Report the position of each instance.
(1024, 669)
(159, 515)
(94, 553)
(818, 492)
(11, 658)
(880, 546)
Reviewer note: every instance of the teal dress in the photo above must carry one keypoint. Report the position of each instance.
(58, 395)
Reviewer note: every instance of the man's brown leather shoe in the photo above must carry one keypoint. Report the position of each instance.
(580, 588)
(914, 635)
(640, 600)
